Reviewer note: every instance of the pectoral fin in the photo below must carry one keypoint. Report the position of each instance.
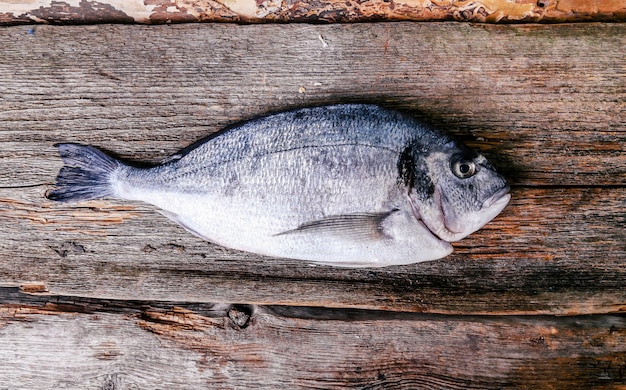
(358, 226)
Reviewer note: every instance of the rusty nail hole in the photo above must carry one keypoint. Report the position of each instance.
(240, 315)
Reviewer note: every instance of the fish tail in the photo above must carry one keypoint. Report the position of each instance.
(85, 175)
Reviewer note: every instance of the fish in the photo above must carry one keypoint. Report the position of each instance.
(351, 185)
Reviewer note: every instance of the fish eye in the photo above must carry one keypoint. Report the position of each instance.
(463, 168)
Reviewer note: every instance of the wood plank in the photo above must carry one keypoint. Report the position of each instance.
(541, 256)
(119, 345)
(119, 294)
(545, 103)
(165, 11)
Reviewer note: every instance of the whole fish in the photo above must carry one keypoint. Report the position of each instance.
(348, 185)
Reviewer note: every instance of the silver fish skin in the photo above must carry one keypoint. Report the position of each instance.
(349, 185)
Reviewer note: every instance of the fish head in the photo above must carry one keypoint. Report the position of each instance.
(464, 194)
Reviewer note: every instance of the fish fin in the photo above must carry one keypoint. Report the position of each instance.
(358, 226)
(85, 175)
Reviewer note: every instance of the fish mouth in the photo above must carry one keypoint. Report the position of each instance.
(448, 227)
(498, 198)
(443, 224)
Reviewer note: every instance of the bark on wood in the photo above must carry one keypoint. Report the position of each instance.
(121, 345)
(167, 11)
(546, 119)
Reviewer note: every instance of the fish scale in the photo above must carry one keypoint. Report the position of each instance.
(346, 185)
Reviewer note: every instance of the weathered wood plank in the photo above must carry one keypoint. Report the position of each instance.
(120, 345)
(545, 103)
(165, 11)
(542, 255)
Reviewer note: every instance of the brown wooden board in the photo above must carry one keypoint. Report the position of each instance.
(541, 255)
(110, 294)
(70, 342)
(546, 104)
(167, 11)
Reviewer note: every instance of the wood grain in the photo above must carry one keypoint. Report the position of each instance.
(109, 294)
(165, 11)
(119, 345)
(552, 122)
(552, 251)
(546, 104)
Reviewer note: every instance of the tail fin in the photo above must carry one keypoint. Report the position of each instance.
(85, 175)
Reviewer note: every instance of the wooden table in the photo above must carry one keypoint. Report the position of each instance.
(110, 294)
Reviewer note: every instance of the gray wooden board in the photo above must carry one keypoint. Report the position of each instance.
(527, 261)
(70, 342)
(546, 104)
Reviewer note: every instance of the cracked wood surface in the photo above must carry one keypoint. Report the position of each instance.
(518, 264)
(167, 11)
(149, 345)
(124, 291)
(546, 104)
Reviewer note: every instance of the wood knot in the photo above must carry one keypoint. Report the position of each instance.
(113, 382)
(240, 315)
